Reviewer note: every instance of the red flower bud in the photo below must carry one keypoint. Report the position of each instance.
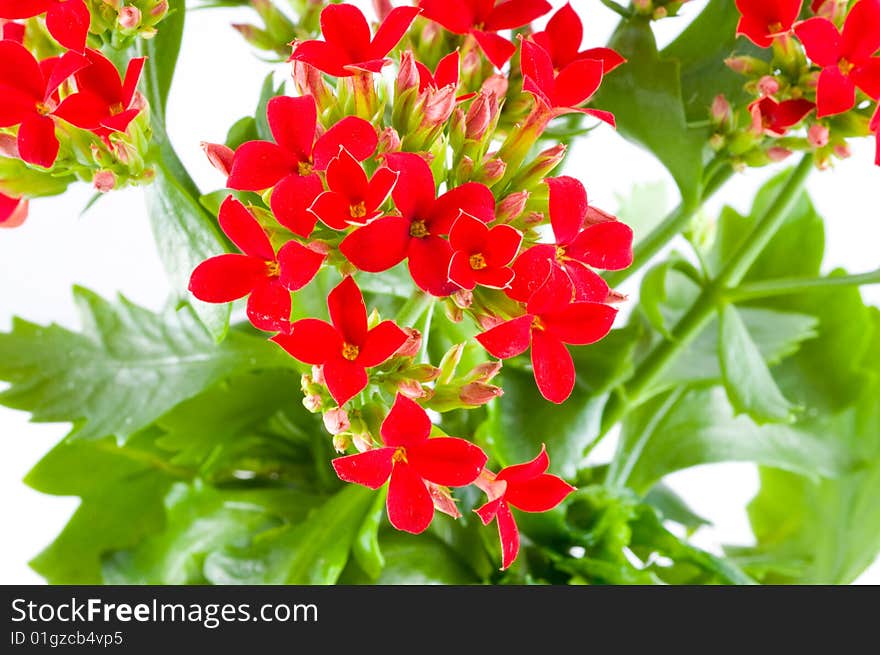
(389, 140)
(818, 135)
(312, 403)
(439, 105)
(482, 111)
(412, 345)
(129, 18)
(104, 181)
(768, 85)
(336, 421)
(778, 154)
(496, 84)
(511, 206)
(721, 112)
(220, 156)
(477, 394)
(411, 389)
(407, 74)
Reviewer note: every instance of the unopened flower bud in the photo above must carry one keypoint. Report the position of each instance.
(389, 141)
(336, 420)
(615, 297)
(220, 156)
(659, 13)
(496, 84)
(745, 65)
(463, 298)
(595, 215)
(442, 499)
(842, 151)
(479, 393)
(382, 8)
(482, 111)
(318, 374)
(407, 74)
(818, 135)
(341, 442)
(363, 441)
(423, 373)
(129, 17)
(104, 181)
(412, 345)
(492, 171)
(450, 362)
(721, 112)
(540, 167)
(511, 206)
(534, 218)
(768, 85)
(453, 312)
(439, 105)
(160, 9)
(471, 62)
(484, 372)
(777, 153)
(411, 389)
(312, 403)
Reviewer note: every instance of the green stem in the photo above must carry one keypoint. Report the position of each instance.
(414, 308)
(785, 286)
(700, 314)
(618, 9)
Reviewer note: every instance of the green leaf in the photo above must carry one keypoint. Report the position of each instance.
(750, 386)
(312, 552)
(162, 52)
(645, 95)
(366, 548)
(125, 369)
(267, 92)
(673, 507)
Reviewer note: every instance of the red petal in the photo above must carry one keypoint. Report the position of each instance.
(409, 505)
(836, 93)
(381, 343)
(37, 143)
(457, 16)
(488, 511)
(344, 25)
(259, 165)
(371, 468)
(447, 70)
(448, 461)
(610, 58)
(498, 277)
(19, 70)
(268, 306)
(580, 323)
(471, 198)
(13, 211)
(225, 278)
(821, 40)
(460, 270)
(334, 210)
(14, 9)
(298, 265)
(101, 77)
(429, 265)
(508, 339)
(378, 246)
(498, 50)
(121, 121)
(553, 366)
(414, 192)
(69, 22)
(568, 207)
(867, 77)
(755, 30)
(346, 176)
(577, 82)
(407, 424)
(509, 534)
(540, 494)
(518, 473)
(311, 341)
(538, 67)
(531, 269)
(516, 13)
(861, 32)
(85, 110)
(380, 187)
(588, 285)
(352, 133)
(391, 30)
(291, 199)
(348, 313)
(132, 77)
(63, 67)
(345, 379)
(607, 246)
(563, 35)
(293, 123)
(16, 106)
(326, 57)
(555, 294)
(468, 234)
(243, 229)
(604, 116)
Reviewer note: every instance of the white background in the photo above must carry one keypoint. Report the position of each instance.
(110, 250)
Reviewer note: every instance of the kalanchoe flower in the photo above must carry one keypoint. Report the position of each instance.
(764, 20)
(875, 128)
(445, 74)
(482, 255)
(604, 244)
(347, 46)
(483, 19)
(13, 211)
(551, 321)
(412, 462)
(290, 164)
(845, 58)
(220, 156)
(417, 233)
(11, 31)
(105, 102)
(562, 40)
(529, 488)
(260, 274)
(564, 91)
(30, 98)
(775, 118)
(352, 198)
(347, 347)
(67, 20)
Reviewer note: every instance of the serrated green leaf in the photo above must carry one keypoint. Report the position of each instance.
(750, 386)
(125, 369)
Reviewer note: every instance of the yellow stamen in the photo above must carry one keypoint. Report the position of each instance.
(304, 168)
(273, 269)
(358, 210)
(399, 455)
(478, 262)
(418, 229)
(350, 352)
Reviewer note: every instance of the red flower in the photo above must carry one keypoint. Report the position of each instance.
(352, 198)
(416, 233)
(483, 18)
(605, 245)
(764, 20)
(11, 31)
(446, 73)
(552, 320)
(529, 488)
(29, 91)
(412, 461)
(290, 164)
(875, 128)
(13, 211)
(482, 255)
(347, 348)
(562, 92)
(104, 102)
(774, 118)
(846, 59)
(347, 46)
(562, 40)
(67, 20)
(259, 273)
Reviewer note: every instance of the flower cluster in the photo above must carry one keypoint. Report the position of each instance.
(426, 179)
(822, 73)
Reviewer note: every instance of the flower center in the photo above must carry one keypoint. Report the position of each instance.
(560, 254)
(418, 229)
(845, 66)
(478, 262)
(350, 352)
(43, 109)
(273, 268)
(399, 455)
(304, 168)
(117, 108)
(536, 323)
(358, 210)
(775, 28)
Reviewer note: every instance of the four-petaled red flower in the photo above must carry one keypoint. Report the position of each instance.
(482, 255)
(412, 460)
(551, 321)
(290, 164)
(445, 74)
(29, 98)
(764, 20)
(347, 46)
(417, 233)
(775, 118)
(562, 92)
(266, 278)
(352, 198)
(347, 348)
(483, 18)
(529, 488)
(67, 20)
(104, 102)
(604, 245)
(846, 58)
(13, 211)
(562, 40)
